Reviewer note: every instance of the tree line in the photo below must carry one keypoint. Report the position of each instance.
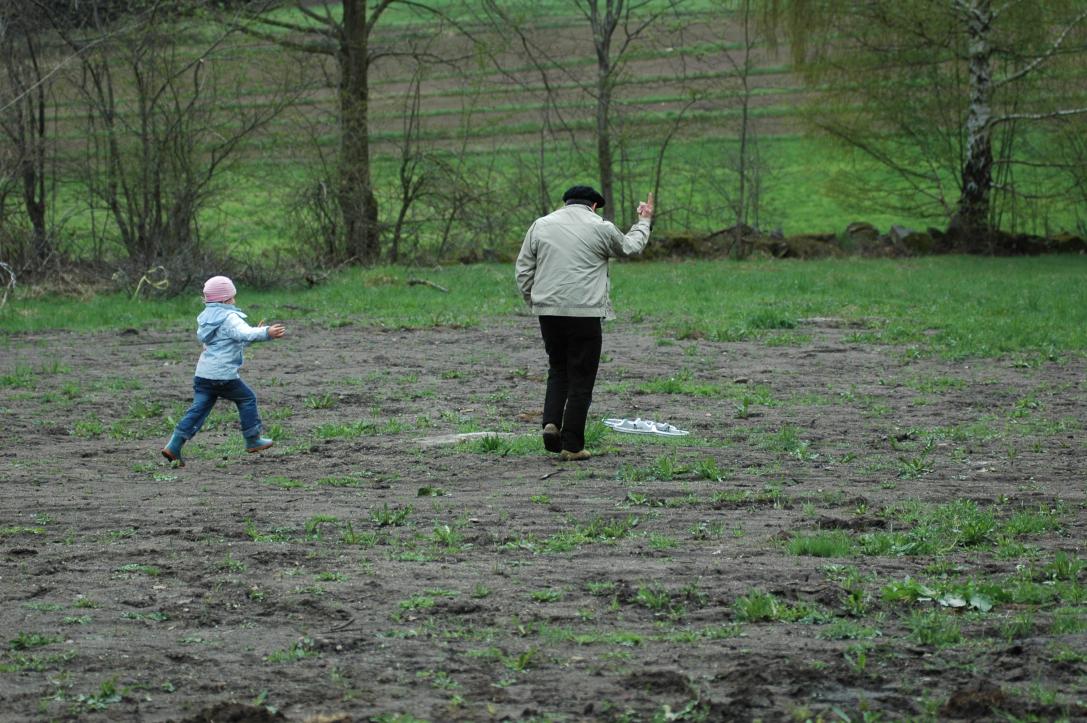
(122, 113)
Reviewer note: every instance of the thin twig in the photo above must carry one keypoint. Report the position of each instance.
(9, 285)
(431, 284)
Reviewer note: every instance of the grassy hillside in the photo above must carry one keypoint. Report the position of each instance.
(487, 121)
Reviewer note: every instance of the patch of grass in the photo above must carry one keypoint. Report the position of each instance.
(107, 694)
(282, 482)
(682, 382)
(830, 543)
(547, 595)
(314, 524)
(386, 516)
(320, 401)
(17, 662)
(759, 606)
(21, 377)
(298, 650)
(599, 530)
(276, 535)
(601, 589)
(27, 641)
(787, 441)
(20, 530)
(347, 430)
(521, 445)
(934, 628)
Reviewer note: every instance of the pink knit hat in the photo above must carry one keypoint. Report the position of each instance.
(219, 288)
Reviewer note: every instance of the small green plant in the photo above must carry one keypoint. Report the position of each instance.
(708, 469)
(522, 661)
(447, 537)
(1018, 627)
(349, 430)
(282, 482)
(658, 541)
(106, 695)
(88, 428)
(601, 589)
(914, 467)
(348, 536)
(320, 401)
(298, 650)
(934, 628)
(313, 525)
(229, 564)
(547, 596)
(386, 516)
(26, 641)
(653, 597)
(856, 656)
(708, 530)
(756, 607)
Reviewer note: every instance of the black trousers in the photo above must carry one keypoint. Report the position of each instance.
(573, 356)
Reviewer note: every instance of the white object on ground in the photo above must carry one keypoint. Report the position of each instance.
(463, 437)
(644, 426)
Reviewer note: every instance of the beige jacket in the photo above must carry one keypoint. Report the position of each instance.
(562, 269)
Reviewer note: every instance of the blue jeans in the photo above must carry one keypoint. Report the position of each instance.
(206, 392)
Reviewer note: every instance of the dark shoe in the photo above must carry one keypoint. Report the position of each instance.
(172, 450)
(551, 438)
(568, 456)
(257, 444)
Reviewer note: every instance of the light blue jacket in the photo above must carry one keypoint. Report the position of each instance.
(221, 328)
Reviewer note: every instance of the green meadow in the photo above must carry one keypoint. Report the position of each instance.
(952, 306)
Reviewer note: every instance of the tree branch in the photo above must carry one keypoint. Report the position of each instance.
(1062, 113)
(1032, 66)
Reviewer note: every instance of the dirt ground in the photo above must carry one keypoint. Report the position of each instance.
(361, 571)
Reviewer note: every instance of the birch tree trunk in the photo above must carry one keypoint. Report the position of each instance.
(977, 173)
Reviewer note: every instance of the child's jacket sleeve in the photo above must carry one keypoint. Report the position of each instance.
(234, 327)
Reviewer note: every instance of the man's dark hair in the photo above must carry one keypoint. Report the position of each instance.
(585, 195)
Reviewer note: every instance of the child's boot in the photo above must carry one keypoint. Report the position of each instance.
(257, 443)
(172, 450)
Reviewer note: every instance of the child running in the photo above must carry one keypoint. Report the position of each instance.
(222, 329)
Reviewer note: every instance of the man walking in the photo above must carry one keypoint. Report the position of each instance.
(562, 272)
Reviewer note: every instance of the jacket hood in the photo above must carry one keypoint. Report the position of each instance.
(212, 317)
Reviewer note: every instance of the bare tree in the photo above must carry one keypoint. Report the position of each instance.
(24, 92)
(347, 38)
(412, 175)
(614, 26)
(158, 134)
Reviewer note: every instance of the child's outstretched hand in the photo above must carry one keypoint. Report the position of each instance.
(276, 331)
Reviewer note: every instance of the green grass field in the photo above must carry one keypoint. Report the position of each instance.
(952, 306)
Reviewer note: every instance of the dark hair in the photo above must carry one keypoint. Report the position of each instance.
(585, 195)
